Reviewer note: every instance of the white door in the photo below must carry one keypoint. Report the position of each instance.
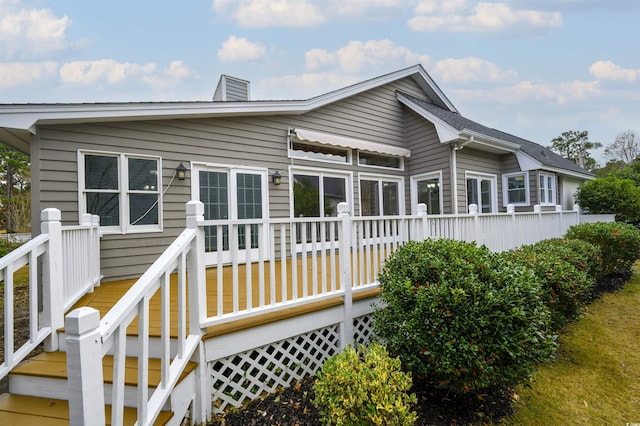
(232, 193)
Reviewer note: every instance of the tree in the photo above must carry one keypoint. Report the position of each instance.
(574, 145)
(625, 148)
(15, 190)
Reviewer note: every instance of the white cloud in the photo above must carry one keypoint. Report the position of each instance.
(607, 70)
(31, 33)
(302, 86)
(271, 13)
(103, 70)
(452, 15)
(359, 56)
(175, 74)
(470, 69)
(526, 91)
(18, 74)
(236, 49)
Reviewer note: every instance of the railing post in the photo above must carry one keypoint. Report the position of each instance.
(538, 210)
(576, 208)
(513, 238)
(423, 224)
(197, 294)
(52, 276)
(346, 326)
(560, 224)
(84, 367)
(473, 210)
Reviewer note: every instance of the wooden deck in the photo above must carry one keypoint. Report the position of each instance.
(106, 295)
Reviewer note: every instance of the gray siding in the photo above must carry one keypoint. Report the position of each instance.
(427, 155)
(258, 141)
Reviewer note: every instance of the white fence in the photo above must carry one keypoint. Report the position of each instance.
(16, 238)
(63, 264)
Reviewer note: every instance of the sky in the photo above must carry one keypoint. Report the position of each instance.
(533, 68)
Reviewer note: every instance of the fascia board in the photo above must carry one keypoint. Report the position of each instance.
(27, 117)
(491, 141)
(569, 173)
(446, 132)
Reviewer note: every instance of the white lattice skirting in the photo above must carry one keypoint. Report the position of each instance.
(243, 377)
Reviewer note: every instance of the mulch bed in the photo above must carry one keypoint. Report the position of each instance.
(293, 406)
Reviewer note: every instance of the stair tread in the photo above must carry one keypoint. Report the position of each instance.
(54, 365)
(30, 410)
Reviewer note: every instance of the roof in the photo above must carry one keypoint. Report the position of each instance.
(459, 127)
(18, 121)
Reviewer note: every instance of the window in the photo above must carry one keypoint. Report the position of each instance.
(515, 188)
(547, 189)
(481, 192)
(317, 193)
(319, 153)
(380, 196)
(426, 189)
(379, 160)
(123, 189)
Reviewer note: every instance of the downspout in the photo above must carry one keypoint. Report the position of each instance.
(454, 179)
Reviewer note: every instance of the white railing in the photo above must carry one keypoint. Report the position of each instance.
(593, 218)
(294, 261)
(58, 254)
(89, 339)
(81, 259)
(16, 238)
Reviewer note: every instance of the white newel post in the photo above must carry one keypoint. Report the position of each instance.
(423, 224)
(537, 210)
(473, 210)
(197, 294)
(576, 209)
(346, 326)
(514, 238)
(52, 277)
(84, 367)
(560, 224)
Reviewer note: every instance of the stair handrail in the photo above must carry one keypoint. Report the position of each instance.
(89, 339)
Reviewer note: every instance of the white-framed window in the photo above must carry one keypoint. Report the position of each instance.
(383, 161)
(515, 189)
(317, 192)
(381, 195)
(547, 189)
(427, 188)
(123, 189)
(481, 191)
(319, 152)
(234, 193)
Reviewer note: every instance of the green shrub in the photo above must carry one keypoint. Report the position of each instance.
(619, 243)
(567, 288)
(460, 317)
(611, 194)
(581, 254)
(364, 387)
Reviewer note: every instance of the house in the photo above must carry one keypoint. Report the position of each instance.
(291, 209)
(382, 145)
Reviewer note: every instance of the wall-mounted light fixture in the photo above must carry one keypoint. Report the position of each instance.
(181, 171)
(276, 178)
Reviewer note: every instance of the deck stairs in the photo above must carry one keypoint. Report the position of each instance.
(38, 388)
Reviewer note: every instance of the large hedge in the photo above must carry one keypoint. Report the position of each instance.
(460, 317)
(567, 286)
(619, 243)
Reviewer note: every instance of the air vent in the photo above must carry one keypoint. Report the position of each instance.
(231, 89)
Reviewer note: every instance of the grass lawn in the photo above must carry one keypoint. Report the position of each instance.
(595, 379)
